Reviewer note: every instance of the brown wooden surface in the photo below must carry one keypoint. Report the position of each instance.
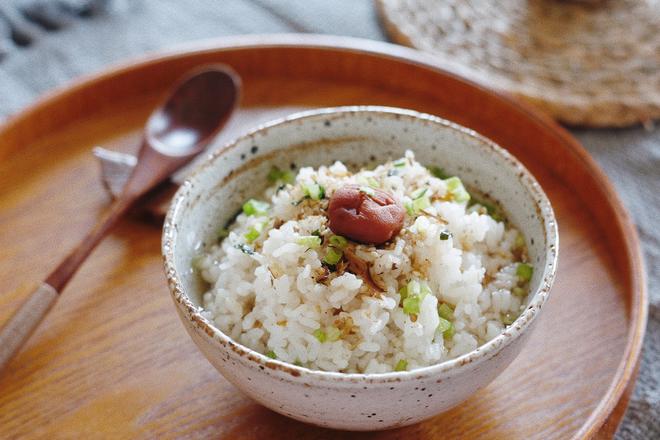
(112, 360)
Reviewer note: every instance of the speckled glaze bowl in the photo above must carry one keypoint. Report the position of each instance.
(357, 136)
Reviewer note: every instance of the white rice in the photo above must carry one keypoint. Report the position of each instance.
(276, 301)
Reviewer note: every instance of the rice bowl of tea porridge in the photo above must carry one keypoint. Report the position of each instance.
(391, 268)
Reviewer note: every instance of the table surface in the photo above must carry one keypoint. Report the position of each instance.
(88, 43)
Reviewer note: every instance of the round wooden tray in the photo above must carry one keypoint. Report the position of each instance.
(112, 360)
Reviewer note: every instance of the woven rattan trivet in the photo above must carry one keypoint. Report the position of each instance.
(592, 65)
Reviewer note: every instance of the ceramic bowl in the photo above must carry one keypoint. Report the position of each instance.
(358, 136)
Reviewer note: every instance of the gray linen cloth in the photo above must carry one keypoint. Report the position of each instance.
(44, 44)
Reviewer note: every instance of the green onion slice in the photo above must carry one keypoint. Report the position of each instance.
(524, 271)
(415, 293)
(255, 207)
(277, 175)
(320, 335)
(508, 318)
(254, 231)
(403, 292)
(332, 256)
(446, 311)
(314, 191)
(309, 241)
(338, 241)
(444, 325)
(411, 305)
(438, 172)
(333, 333)
(457, 190)
(409, 208)
(402, 365)
(450, 332)
(421, 204)
(418, 193)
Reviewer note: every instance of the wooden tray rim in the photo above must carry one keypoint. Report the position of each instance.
(626, 371)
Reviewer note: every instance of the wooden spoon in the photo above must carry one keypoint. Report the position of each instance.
(174, 134)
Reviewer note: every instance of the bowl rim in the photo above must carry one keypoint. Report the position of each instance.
(192, 313)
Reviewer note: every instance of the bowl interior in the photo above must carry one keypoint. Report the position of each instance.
(358, 137)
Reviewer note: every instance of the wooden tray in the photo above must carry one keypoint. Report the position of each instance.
(112, 360)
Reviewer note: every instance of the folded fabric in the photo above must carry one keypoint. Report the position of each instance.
(23, 21)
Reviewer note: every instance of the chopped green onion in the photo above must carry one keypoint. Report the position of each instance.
(338, 241)
(443, 326)
(254, 231)
(520, 241)
(333, 333)
(255, 207)
(309, 241)
(400, 163)
(275, 175)
(445, 311)
(402, 365)
(445, 235)
(438, 172)
(297, 363)
(403, 292)
(508, 318)
(450, 332)
(368, 191)
(421, 200)
(411, 305)
(271, 354)
(252, 234)
(332, 257)
(457, 190)
(372, 182)
(409, 208)
(320, 335)
(314, 191)
(421, 203)
(418, 193)
(453, 183)
(245, 249)
(524, 271)
(415, 293)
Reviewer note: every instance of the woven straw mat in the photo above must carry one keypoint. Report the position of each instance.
(592, 65)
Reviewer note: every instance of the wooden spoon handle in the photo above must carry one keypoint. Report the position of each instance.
(21, 325)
